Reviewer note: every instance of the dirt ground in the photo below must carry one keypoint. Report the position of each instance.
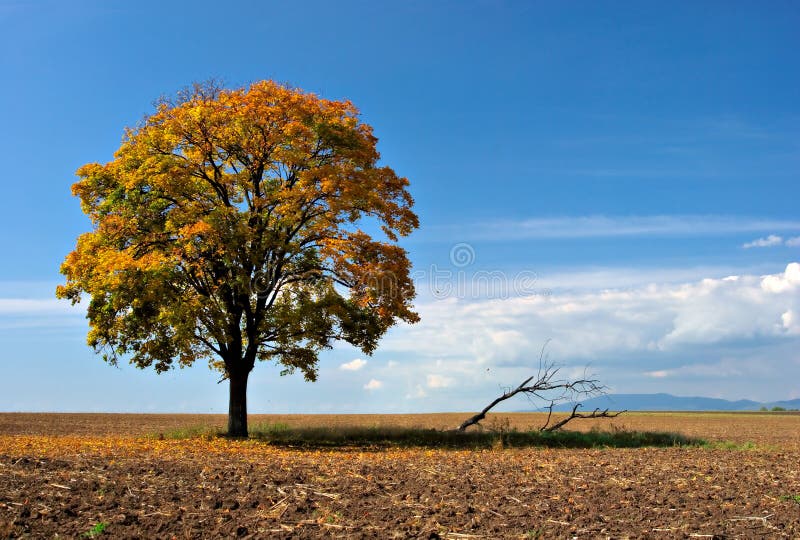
(88, 476)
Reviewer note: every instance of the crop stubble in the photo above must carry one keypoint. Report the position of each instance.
(53, 482)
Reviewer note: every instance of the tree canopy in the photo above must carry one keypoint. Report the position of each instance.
(229, 228)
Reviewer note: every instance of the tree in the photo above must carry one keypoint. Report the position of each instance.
(228, 228)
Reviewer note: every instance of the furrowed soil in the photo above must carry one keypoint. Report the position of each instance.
(98, 475)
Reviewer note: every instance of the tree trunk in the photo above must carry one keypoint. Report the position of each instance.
(237, 408)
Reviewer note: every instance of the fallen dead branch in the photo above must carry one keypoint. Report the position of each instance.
(546, 386)
(597, 413)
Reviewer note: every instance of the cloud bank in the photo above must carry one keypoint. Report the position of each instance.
(629, 327)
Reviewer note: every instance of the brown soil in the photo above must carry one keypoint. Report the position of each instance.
(60, 475)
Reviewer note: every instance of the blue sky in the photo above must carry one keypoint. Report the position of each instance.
(601, 165)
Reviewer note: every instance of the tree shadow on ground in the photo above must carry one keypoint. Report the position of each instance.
(389, 437)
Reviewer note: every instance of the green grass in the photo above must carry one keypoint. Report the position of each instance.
(95, 531)
(795, 498)
(392, 437)
(728, 445)
(191, 432)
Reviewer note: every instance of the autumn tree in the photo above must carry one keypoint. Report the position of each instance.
(229, 227)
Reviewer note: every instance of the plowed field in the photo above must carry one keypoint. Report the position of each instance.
(107, 476)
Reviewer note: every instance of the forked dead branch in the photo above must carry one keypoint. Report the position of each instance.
(546, 387)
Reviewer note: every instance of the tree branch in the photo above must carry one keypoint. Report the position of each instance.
(597, 413)
(544, 383)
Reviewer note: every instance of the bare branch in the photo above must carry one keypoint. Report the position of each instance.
(597, 413)
(549, 414)
(546, 387)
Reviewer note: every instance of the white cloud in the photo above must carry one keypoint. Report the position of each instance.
(418, 393)
(615, 278)
(499, 345)
(34, 306)
(596, 226)
(793, 242)
(781, 283)
(353, 365)
(723, 368)
(769, 241)
(559, 280)
(40, 313)
(791, 322)
(439, 381)
(373, 384)
(605, 324)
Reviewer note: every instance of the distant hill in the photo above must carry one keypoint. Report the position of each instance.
(668, 402)
(791, 404)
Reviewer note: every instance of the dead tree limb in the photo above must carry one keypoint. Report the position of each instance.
(545, 386)
(597, 413)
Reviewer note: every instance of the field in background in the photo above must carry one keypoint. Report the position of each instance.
(771, 428)
(94, 475)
